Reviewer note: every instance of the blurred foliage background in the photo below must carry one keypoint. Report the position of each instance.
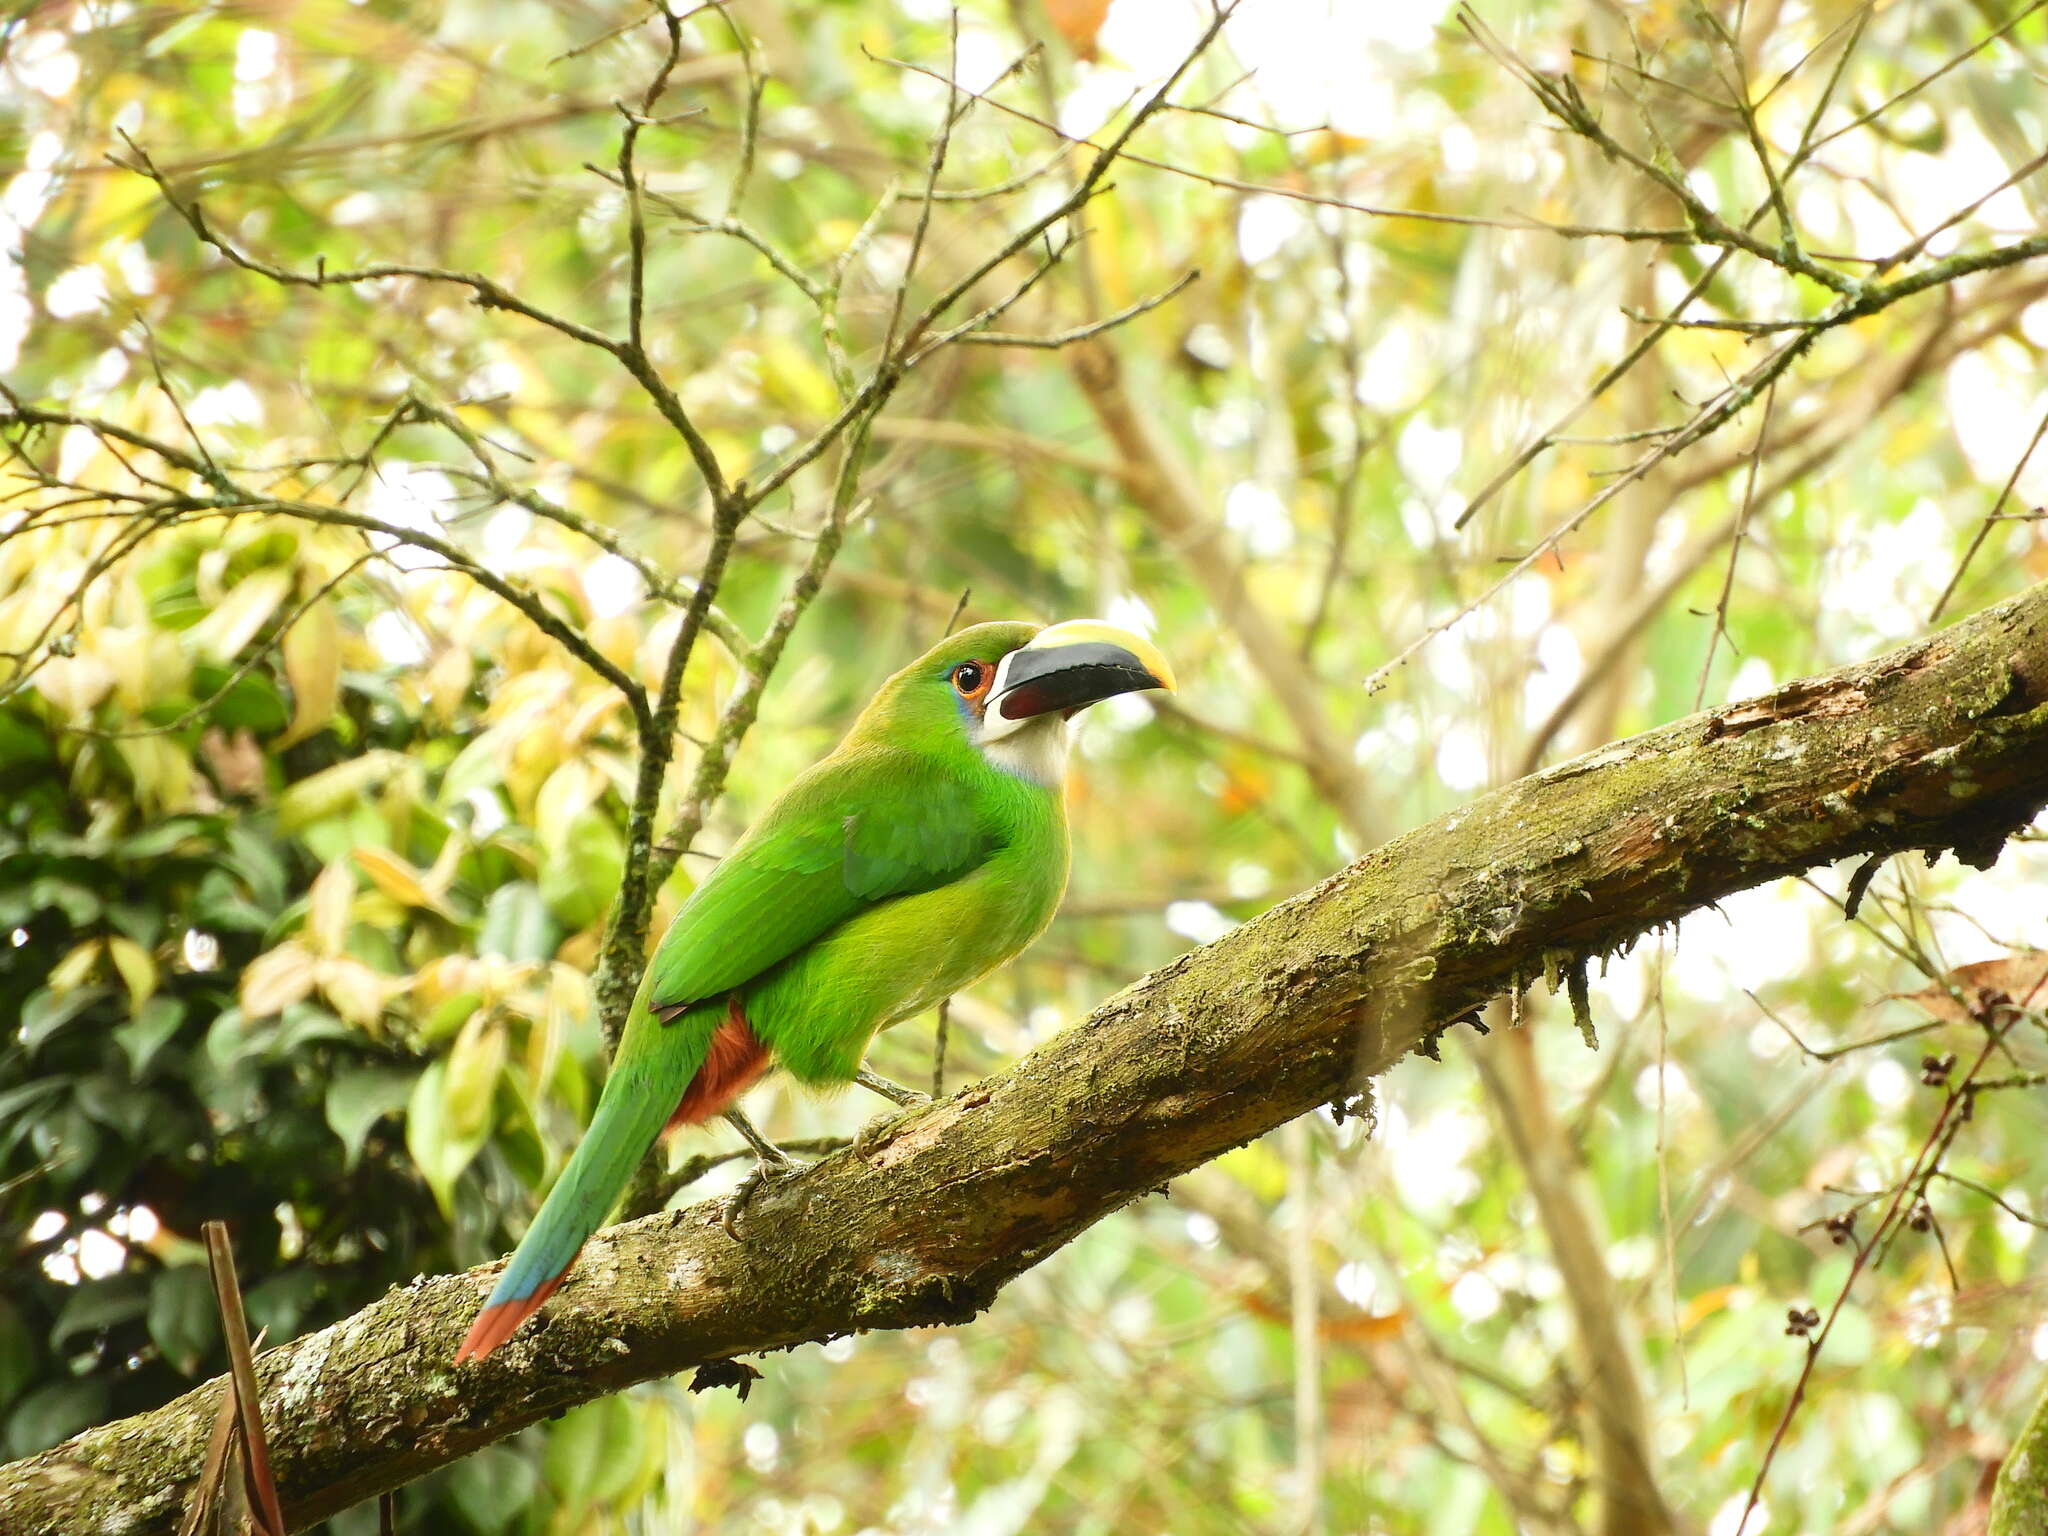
(307, 841)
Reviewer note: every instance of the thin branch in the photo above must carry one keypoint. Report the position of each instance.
(232, 497)
(486, 292)
(1092, 329)
(636, 220)
(1663, 236)
(1984, 528)
(1756, 456)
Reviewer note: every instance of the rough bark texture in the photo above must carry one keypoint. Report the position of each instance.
(1942, 745)
(2019, 1500)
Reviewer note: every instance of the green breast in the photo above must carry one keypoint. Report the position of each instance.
(818, 1009)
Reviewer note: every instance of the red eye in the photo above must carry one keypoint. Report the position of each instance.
(971, 678)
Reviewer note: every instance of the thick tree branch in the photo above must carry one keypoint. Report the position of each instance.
(2019, 1504)
(1941, 745)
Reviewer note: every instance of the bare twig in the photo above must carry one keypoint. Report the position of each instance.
(1756, 455)
(1984, 528)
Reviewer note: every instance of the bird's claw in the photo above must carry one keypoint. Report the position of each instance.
(765, 1170)
(874, 1132)
(894, 1092)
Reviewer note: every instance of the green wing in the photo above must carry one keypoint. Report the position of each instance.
(859, 828)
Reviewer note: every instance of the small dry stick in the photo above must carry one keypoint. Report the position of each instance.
(234, 1324)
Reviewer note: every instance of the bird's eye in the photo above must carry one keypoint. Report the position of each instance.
(970, 678)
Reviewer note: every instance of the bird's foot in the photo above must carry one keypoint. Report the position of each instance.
(873, 1133)
(895, 1093)
(770, 1163)
(765, 1171)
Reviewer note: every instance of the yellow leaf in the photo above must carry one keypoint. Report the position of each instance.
(125, 651)
(74, 684)
(474, 1062)
(567, 1005)
(312, 664)
(442, 875)
(569, 791)
(334, 890)
(161, 771)
(446, 976)
(138, 970)
(445, 992)
(448, 679)
(400, 881)
(223, 634)
(337, 789)
(276, 980)
(75, 968)
(357, 993)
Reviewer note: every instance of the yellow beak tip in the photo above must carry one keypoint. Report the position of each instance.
(1075, 631)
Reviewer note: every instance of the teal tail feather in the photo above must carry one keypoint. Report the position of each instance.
(698, 1050)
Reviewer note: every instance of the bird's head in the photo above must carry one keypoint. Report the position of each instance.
(1009, 689)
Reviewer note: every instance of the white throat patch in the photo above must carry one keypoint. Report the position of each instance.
(1034, 749)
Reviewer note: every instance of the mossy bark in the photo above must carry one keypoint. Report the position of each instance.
(2019, 1501)
(1940, 746)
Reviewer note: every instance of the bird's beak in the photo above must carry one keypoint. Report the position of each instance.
(1067, 667)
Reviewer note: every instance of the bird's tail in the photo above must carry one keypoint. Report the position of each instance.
(712, 1050)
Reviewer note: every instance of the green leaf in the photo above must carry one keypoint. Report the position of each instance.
(281, 1303)
(98, 1304)
(53, 1413)
(252, 703)
(480, 765)
(46, 1012)
(430, 1136)
(166, 837)
(77, 902)
(519, 1140)
(15, 1102)
(114, 1103)
(516, 924)
(20, 1358)
(219, 907)
(625, 1444)
(580, 1447)
(494, 1487)
(475, 1062)
(149, 1031)
(302, 1025)
(257, 860)
(143, 924)
(579, 880)
(172, 37)
(22, 741)
(183, 1316)
(359, 1097)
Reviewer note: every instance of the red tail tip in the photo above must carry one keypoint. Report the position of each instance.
(497, 1323)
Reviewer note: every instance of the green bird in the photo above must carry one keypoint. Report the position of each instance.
(929, 848)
